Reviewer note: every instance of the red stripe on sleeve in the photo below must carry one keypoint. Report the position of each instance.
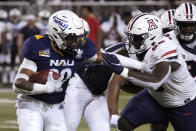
(168, 53)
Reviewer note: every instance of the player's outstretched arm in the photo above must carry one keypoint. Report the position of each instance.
(151, 80)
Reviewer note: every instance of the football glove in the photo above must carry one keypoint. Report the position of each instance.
(54, 85)
(112, 62)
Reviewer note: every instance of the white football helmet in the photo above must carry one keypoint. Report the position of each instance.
(167, 19)
(143, 32)
(67, 31)
(185, 18)
(86, 27)
(44, 15)
(15, 15)
(3, 15)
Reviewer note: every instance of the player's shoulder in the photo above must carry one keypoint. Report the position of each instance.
(89, 49)
(165, 47)
(89, 44)
(35, 43)
(36, 40)
(89, 41)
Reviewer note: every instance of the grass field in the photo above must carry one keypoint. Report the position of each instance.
(8, 118)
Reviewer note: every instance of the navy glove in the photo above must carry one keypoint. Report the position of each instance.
(112, 62)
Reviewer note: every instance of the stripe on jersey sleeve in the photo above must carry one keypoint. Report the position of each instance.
(169, 54)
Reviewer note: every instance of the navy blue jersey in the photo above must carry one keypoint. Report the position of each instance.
(41, 50)
(96, 77)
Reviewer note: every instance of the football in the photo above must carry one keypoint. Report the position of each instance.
(41, 76)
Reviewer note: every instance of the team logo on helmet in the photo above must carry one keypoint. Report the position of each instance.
(62, 23)
(152, 25)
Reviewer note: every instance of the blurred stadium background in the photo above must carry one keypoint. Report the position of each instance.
(101, 10)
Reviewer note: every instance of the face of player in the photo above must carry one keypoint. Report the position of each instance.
(137, 41)
(73, 42)
(15, 18)
(187, 30)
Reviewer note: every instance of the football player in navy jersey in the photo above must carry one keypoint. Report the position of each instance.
(40, 106)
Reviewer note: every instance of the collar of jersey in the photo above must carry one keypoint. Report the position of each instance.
(55, 49)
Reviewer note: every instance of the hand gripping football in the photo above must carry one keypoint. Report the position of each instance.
(41, 76)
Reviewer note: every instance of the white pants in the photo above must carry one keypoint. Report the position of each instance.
(80, 102)
(34, 115)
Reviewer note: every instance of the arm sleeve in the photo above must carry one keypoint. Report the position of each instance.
(29, 64)
(130, 62)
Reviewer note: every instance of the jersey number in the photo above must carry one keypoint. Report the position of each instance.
(65, 72)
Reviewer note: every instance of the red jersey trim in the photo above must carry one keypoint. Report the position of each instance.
(168, 53)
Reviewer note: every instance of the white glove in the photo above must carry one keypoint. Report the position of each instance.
(114, 121)
(54, 85)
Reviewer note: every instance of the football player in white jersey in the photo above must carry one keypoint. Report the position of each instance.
(171, 90)
(43, 22)
(185, 19)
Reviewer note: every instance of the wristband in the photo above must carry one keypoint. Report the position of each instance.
(125, 73)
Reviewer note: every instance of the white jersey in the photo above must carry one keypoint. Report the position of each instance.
(43, 27)
(13, 29)
(180, 86)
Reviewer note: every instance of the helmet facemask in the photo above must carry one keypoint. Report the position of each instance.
(135, 44)
(72, 41)
(186, 31)
(71, 44)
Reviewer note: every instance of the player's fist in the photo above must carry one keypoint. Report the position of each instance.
(112, 62)
(114, 121)
(54, 85)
